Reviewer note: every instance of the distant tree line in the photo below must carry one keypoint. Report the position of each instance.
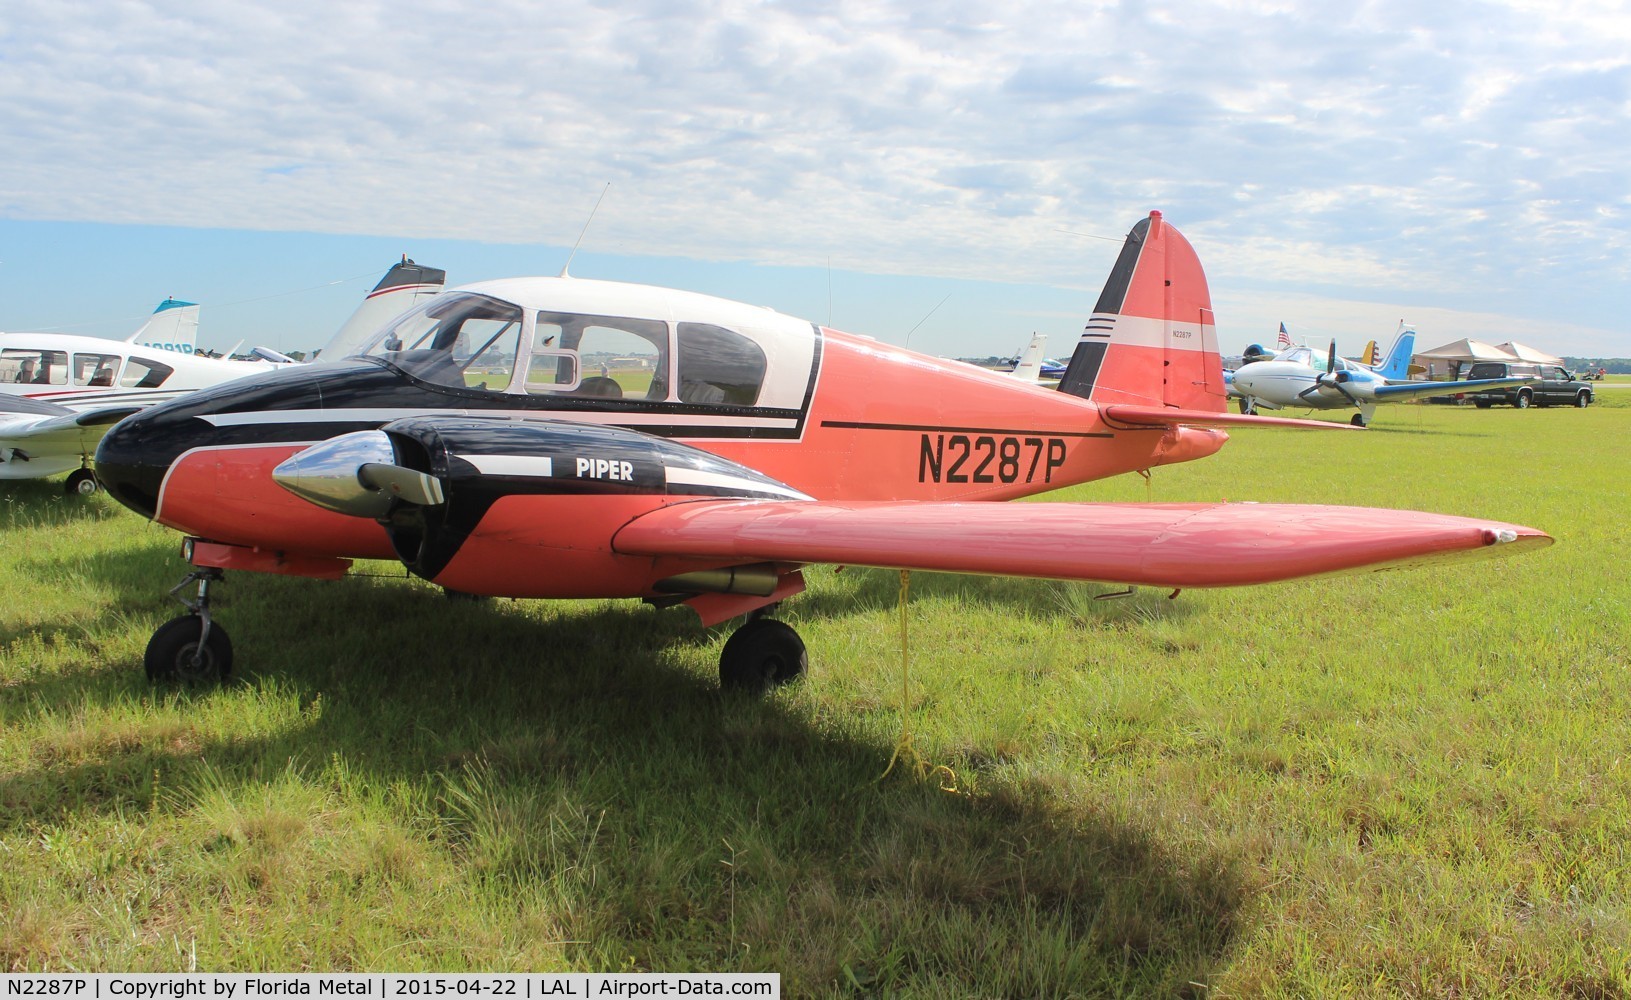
(1615, 366)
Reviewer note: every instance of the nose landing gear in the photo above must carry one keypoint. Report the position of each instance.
(191, 649)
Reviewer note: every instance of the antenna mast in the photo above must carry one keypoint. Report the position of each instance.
(585, 229)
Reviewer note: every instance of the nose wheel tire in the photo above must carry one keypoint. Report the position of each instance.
(760, 655)
(181, 650)
(81, 482)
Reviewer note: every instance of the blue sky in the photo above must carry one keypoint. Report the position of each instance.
(1462, 166)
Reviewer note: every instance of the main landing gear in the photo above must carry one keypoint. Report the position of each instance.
(191, 649)
(762, 654)
(81, 482)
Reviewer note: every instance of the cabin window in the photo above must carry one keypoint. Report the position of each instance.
(95, 369)
(610, 357)
(143, 373)
(29, 367)
(465, 341)
(719, 366)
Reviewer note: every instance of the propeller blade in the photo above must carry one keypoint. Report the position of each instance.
(1331, 361)
(407, 485)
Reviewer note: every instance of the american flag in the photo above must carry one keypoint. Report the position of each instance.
(1285, 338)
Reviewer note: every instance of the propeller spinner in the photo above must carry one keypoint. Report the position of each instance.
(356, 474)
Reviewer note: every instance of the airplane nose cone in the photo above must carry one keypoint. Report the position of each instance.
(328, 473)
(135, 454)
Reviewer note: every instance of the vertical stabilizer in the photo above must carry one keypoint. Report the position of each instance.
(1396, 368)
(1028, 367)
(172, 327)
(1152, 339)
(401, 288)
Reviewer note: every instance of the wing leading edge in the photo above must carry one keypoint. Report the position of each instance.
(1158, 545)
(46, 425)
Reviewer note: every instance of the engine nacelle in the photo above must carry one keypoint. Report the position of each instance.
(473, 503)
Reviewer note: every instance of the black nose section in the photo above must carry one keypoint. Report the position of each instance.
(134, 456)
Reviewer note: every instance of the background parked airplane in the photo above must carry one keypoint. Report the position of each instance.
(1301, 377)
(102, 380)
(1033, 366)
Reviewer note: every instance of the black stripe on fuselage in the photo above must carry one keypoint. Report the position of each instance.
(938, 429)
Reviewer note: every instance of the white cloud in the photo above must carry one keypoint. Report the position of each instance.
(1473, 148)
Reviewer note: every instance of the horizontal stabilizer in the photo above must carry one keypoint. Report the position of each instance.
(1166, 416)
(1157, 545)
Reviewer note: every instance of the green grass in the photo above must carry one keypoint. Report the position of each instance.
(1415, 783)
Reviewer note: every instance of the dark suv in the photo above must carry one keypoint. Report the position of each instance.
(1553, 385)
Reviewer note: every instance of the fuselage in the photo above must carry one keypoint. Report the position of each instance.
(832, 415)
(1286, 383)
(85, 372)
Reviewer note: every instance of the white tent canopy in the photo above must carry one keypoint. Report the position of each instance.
(1467, 350)
(1523, 352)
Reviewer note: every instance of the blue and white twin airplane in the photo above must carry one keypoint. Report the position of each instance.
(1298, 376)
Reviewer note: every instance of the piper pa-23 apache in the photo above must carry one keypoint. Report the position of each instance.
(469, 441)
(60, 393)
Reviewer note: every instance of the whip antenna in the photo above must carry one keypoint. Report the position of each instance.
(585, 229)
(924, 320)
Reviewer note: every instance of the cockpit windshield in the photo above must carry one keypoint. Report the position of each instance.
(1304, 356)
(463, 340)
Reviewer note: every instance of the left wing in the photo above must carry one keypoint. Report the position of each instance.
(1413, 390)
(1158, 545)
(34, 427)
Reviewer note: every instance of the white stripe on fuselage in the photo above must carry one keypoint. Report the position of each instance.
(382, 415)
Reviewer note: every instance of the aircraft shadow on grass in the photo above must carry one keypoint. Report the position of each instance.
(589, 705)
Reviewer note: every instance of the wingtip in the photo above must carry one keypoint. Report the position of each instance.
(1515, 534)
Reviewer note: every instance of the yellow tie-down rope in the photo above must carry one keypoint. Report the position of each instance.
(903, 746)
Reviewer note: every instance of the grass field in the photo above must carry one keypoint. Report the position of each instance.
(1414, 783)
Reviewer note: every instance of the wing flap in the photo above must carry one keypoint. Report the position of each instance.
(1164, 545)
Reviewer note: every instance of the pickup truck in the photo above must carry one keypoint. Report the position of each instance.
(1552, 386)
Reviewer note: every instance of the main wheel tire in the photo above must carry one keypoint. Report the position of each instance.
(1582, 400)
(1522, 402)
(1247, 407)
(760, 655)
(1358, 420)
(81, 482)
(170, 653)
(1482, 404)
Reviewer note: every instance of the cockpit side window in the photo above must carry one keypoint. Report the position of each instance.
(613, 357)
(719, 366)
(30, 367)
(466, 341)
(95, 369)
(145, 373)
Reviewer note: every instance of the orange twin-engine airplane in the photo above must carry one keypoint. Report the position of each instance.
(560, 437)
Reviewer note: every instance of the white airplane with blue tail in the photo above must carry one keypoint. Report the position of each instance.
(1298, 376)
